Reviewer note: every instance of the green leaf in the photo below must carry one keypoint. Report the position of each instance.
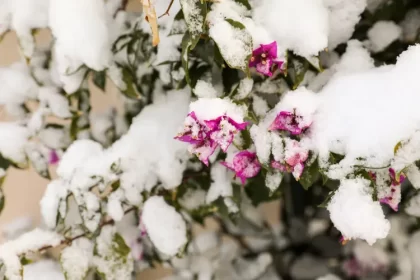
(296, 70)
(179, 25)
(195, 12)
(258, 192)
(113, 256)
(2, 199)
(244, 3)
(25, 261)
(186, 48)
(327, 200)
(240, 38)
(310, 175)
(130, 90)
(99, 79)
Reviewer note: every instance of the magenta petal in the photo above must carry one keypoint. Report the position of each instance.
(53, 157)
(238, 126)
(245, 165)
(265, 68)
(270, 49)
(213, 124)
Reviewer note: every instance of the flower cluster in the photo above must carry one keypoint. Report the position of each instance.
(245, 165)
(265, 58)
(295, 154)
(205, 136)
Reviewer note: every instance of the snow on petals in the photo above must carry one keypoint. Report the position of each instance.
(212, 122)
(392, 194)
(289, 121)
(264, 58)
(295, 157)
(245, 165)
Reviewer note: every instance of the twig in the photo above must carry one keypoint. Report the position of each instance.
(167, 10)
(68, 241)
(150, 12)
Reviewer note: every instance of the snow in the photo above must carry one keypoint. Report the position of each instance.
(16, 86)
(110, 257)
(204, 89)
(343, 17)
(235, 44)
(43, 270)
(192, 15)
(13, 141)
(165, 227)
(273, 180)
(382, 34)
(355, 214)
(302, 100)
(259, 105)
(23, 21)
(413, 206)
(76, 258)
(50, 202)
(17, 227)
(221, 183)
(58, 103)
(410, 25)
(28, 242)
(81, 32)
(358, 100)
(309, 33)
(212, 108)
(244, 88)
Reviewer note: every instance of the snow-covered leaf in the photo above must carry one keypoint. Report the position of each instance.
(112, 257)
(194, 14)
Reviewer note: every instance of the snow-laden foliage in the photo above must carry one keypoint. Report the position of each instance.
(225, 104)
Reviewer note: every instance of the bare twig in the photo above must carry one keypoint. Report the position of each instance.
(167, 10)
(150, 12)
(68, 241)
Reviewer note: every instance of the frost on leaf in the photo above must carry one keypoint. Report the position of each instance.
(76, 258)
(10, 252)
(112, 257)
(233, 41)
(165, 226)
(194, 14)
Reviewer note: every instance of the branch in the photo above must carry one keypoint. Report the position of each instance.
(68, 241)
(167, 10)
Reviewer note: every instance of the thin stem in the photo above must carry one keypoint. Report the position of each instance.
(167, 10)
(68, 241)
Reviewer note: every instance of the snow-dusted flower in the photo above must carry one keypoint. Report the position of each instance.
(288, 121)
(393, 197)
(294, 160)
(355, 268)
(223, 129)
(53, 157)
(245, 165)
(264, 58)
(395, 181)
(205, 136)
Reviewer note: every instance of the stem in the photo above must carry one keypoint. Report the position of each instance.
(68, 241)
(167, 10)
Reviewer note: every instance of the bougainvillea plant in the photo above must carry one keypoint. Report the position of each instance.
(223, 105)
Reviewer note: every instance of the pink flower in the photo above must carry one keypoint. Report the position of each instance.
(223, 129)
(294, 160)
(205, 136)
(264, 58)
(355, 268)
(137, 249)
(245, 165)
(54, 159)
(393, 195)
(289, 122)
(395, 181)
